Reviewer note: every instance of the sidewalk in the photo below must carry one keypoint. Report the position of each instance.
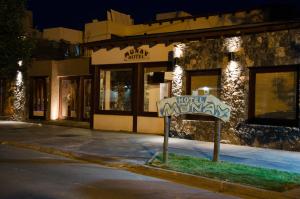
(131, 151)
(139, 148)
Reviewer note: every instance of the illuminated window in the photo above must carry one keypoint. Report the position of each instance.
(203, 82)
(273, 95)
(69, 94)
(157, 86)
(116, 89)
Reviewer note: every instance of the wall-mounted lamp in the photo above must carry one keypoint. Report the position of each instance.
(205, 90)
(232, 56)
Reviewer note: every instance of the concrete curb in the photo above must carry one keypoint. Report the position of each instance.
(182, 178)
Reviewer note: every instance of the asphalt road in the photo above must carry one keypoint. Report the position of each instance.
(26, 174)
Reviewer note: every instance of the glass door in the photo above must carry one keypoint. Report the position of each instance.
(69, 97)
(38, 98)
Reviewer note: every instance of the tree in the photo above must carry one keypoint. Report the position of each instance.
(15, 45)
(15, 48)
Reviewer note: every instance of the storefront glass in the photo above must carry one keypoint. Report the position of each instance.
(275, 95)
(205, 84)
(69, 98)
(116, 89)
(157, 85)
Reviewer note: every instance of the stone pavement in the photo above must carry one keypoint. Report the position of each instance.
(139, 148)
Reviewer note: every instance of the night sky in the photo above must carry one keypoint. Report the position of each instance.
(74, 14)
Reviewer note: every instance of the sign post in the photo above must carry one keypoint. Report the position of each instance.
(166, 139)
(203, 105)
(217, 141)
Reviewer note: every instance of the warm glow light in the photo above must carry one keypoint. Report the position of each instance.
(178, 70)
(19, 97)
(234, 70)
(177, 80)
(206, 90)
(20, 63)
(233, 44)
(178, 50)
(19, 79)
(54, 109)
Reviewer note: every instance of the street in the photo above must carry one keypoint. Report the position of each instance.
(28, 174)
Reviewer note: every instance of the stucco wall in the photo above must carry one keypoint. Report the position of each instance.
(55, 69)
(263, 49)
(57, 34)
(101, 30)
(156, 53)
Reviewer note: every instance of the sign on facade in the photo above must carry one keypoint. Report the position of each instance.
(136, 54)
(204, 104)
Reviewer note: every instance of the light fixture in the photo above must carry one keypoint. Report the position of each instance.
(206, 90)
(20, 63)
(231, 56)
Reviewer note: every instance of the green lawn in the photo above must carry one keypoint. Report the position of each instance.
(238, 173)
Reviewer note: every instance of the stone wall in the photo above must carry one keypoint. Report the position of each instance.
(256, 50)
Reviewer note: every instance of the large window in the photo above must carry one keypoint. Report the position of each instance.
(203, 82)
(274, 96)
(116, 88)
(157, 86)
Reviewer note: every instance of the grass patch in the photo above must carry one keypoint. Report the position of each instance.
(254, 176)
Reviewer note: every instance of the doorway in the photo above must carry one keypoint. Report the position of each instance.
(38, 98)
(75, 98)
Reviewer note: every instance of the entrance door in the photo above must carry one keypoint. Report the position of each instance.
(69, 98)
(38, 98)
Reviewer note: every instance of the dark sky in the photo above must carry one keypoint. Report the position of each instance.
(75, 13)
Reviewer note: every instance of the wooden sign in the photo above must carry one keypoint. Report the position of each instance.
(202, 104)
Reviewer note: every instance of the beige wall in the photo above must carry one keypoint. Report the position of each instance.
(54, 70)
(152, 125)
(59, 33)
(157, 53)
(113, 122)
(76, 66)
(101, 30)
(96, 31)
(40, 68)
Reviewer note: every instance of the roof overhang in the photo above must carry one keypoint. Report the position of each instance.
(192, 35)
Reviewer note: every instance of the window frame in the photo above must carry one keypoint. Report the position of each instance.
(133, 67)
(207, 72)
(252, 84)
(166, 64)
